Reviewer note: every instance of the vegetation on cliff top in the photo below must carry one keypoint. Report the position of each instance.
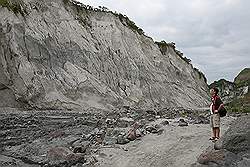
(16, 6)
(163, 45)
(123, 18)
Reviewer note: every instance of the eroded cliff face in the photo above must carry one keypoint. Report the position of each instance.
(56, 54)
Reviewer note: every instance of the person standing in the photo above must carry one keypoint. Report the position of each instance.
(216, 105)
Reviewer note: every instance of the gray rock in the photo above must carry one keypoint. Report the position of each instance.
(61, 155)
(218, 158)
(156, 129)
(6, 161)
(110, 140)
(237, 137)
(202, 120)
(151, 129)
(125, 122)
(122, 140)
(218, 144)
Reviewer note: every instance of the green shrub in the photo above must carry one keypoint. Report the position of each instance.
(65, 1)
(4, 3)
(127, 22)
(15, 7)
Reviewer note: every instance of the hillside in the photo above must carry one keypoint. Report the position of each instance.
(235, 94)
(66, 55)
(243, 78)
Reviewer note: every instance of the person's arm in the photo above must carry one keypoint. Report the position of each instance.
(222, 105)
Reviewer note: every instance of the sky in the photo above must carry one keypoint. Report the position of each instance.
(214, 34)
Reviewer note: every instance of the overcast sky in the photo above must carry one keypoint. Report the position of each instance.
(214, 34)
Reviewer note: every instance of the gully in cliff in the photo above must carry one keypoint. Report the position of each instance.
(216, 107)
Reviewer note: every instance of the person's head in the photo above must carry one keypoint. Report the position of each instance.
(214, 91)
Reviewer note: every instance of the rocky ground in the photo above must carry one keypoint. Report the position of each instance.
(163, 137)
(177, 146)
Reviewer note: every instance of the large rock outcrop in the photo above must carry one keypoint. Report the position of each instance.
(64, 55)
(232, 150)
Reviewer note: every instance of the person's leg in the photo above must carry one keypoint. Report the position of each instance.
(214, 132)
(212, 128)
(218, 133)
(217, 125)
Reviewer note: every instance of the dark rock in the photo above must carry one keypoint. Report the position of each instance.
(151, 129)
(160, 131)
(80, 146)
(165, 122)
(182, 123)
(151, 112)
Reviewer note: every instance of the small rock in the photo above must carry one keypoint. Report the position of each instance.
(109, 140)
(122, 140)
(109, 121)
(164, 123)
(125, 122)
(151, 112)
(160, 131)
(158, 126)
(151, 129)
(218, 144)
(80, 146)
(182, 123)
(139, 133)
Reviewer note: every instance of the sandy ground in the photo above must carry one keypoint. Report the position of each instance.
(175, 147)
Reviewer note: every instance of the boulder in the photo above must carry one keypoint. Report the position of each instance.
(63, 155)
(237, 137)
(218, 158)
